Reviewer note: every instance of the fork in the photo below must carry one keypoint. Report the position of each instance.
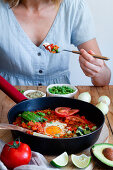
(94, 55)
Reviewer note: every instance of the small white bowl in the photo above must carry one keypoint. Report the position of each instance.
(32, 91)
(70, 95)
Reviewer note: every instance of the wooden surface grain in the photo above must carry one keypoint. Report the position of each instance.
(6, 103)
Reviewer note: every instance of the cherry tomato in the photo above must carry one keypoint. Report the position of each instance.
(75, 119)
(15, 153)
(65, 111)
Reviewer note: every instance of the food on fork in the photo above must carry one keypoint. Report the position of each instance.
(51, 47)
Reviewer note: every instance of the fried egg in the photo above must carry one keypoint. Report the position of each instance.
(54, 128)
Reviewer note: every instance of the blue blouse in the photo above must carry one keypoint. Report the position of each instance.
(23, 63)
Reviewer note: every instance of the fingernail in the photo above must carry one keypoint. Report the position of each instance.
(91, 52)
(82, 50)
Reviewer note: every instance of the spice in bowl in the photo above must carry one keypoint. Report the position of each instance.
(32, 94)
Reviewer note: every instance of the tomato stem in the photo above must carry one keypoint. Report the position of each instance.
(15, 145)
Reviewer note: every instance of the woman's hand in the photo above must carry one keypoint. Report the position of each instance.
(91, 66)
(94, 68)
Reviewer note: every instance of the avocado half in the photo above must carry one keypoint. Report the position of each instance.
(103, 154)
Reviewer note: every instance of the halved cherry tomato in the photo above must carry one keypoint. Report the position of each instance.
(75, 119)
(65, 111)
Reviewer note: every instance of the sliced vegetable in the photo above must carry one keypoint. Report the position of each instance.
(65, 111)
(81, 161)
(83, 131)
(94, 128)
(40, 114)
(60, 161)
(75, 119)
(31, 116)
(72, 111)
(79, 132)
(103, 155)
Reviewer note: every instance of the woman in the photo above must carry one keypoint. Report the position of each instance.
(26, 24)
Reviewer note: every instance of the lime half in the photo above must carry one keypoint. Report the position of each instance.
(81, 161)
(60, 161)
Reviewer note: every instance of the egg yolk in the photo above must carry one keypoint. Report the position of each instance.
(52, 130)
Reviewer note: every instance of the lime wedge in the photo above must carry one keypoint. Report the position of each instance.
(60, 161)
(81, 161)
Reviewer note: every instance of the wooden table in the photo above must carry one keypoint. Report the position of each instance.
(6, 103)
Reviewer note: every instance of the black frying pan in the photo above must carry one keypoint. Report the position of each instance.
(48, 145)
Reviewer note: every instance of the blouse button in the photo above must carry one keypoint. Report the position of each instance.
(40, 71)
(40, 84)
(39, 54)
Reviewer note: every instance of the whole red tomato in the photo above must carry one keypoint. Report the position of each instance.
(15, 153)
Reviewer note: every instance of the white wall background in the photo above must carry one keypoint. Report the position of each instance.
(102, 11)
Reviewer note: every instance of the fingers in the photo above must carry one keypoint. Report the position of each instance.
(90, 58)
(88, 72)
(90, 66)
(91, 52)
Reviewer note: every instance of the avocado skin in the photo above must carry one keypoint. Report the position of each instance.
(99, 162)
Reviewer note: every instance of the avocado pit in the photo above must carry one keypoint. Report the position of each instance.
(108, 153)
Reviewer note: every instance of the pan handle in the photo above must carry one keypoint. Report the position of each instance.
(11, 91)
